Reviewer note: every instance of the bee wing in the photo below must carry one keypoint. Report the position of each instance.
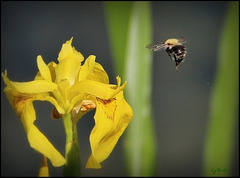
(182, 40)
(155, 47)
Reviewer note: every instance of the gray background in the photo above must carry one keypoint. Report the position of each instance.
(180, 99)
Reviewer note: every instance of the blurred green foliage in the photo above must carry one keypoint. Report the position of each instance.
(130, 30)
(222, 126)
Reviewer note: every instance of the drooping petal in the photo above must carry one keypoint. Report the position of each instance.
(93, 163)
(93, 71)
(19, 101)
(44, 171)
(69, 63)
(111, 119)
(22, 103)
(40, 143)
(37, 140)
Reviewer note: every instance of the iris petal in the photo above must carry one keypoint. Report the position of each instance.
(43, 69)
(40, 143)
(111, 119)
(35, 137)
(92, 163)
(87, 68)
(24, 108)
(97, 89)
(35, 86)
(93, 71)
(69, 63)
(44, 171)
(98, 74)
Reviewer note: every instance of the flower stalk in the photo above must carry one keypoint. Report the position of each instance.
(72, 149)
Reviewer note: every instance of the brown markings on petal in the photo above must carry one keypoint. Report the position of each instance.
(109, 107)
(20, 101)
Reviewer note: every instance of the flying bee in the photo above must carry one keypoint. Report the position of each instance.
(174, 48)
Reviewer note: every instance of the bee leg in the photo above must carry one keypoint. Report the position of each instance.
(177, 64)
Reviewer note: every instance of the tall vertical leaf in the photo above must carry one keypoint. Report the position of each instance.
(140, 142)
(117, 16)
(221, 136)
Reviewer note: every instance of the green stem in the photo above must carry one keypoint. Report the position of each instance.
(72, 149)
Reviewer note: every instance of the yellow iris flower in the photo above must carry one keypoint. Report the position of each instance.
(73, 89)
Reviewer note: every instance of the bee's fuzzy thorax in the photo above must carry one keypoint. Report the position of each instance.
(172, 41)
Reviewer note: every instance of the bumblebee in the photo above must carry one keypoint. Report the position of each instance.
(174, 47)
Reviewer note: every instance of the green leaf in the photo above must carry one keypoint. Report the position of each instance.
(222, 128)
(117, 18)
(136, 67)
